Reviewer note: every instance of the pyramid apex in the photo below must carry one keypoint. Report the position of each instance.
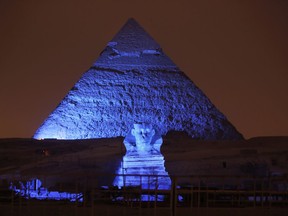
(132, 38)
(132, 45)
(132, 20)
(133, 23)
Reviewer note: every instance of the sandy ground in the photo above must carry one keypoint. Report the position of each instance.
(93, 162)
(260, 157)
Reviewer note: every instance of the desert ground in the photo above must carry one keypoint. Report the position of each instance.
(182, 155)
(95, 161)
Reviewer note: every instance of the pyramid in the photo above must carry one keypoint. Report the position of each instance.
(134, 81)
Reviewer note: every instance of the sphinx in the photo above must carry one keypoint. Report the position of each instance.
(143, 164)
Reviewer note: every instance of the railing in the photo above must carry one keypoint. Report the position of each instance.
(186, 192)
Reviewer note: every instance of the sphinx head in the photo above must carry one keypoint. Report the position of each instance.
(143, 134)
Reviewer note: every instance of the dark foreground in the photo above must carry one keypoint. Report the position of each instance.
(246, 177)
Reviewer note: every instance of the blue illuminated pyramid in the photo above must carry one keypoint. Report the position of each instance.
(134, 81)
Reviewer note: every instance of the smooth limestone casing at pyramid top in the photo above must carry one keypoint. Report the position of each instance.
(134, 81)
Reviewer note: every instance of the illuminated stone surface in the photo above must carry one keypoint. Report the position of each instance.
(143, 163)
(134, 81)
(33, 189)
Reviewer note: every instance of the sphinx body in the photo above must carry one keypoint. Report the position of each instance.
(143, 163)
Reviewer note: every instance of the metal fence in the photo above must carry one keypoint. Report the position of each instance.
(72, 195)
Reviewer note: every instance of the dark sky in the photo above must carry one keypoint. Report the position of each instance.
(235, 51)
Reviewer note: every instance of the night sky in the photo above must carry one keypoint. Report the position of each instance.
(235, 51)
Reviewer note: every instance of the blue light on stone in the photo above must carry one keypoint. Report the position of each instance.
(143, 163)
(33, 189)
(132, 80)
